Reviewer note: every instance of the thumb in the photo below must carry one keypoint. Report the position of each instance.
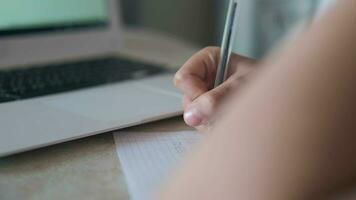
(200, 112)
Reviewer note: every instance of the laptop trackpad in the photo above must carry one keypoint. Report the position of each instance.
(123, 102)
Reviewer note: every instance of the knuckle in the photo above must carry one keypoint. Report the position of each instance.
(213, 54)
(178, 78)
(207, 48)
(210, 48)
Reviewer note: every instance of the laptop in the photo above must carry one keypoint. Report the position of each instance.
(61, 77)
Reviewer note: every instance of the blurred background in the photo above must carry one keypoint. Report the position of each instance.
(262, 23)
(193, 20)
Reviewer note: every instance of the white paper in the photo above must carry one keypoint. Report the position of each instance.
(147, 158)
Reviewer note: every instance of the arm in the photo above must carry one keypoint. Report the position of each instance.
(291, 132)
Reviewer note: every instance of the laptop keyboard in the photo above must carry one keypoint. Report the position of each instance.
(35, 81)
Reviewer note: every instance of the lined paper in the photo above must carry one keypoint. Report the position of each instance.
(147, 158)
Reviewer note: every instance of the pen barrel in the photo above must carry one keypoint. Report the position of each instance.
(227, 43)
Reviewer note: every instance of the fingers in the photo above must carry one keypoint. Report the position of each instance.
(199, 112)
(198, 74)
(196, 80)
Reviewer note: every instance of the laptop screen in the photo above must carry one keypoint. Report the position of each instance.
(34, 16)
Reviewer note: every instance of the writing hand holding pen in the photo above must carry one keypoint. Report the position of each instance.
(196, 80)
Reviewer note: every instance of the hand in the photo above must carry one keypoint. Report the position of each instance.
(196, 80)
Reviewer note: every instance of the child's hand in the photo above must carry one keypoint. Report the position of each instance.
(196, 80)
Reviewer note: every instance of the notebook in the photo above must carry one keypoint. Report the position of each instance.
(148, 158)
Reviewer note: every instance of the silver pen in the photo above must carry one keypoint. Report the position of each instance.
(227, 43)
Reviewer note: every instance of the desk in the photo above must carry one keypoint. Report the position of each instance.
(89, 168)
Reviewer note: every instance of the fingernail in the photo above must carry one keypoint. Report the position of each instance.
(193, 117)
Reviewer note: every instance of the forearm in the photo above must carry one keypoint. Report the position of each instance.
(290, 134)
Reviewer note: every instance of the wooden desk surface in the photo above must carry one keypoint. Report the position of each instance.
(88, 168)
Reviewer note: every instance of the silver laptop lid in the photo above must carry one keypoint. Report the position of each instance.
(33, 31)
